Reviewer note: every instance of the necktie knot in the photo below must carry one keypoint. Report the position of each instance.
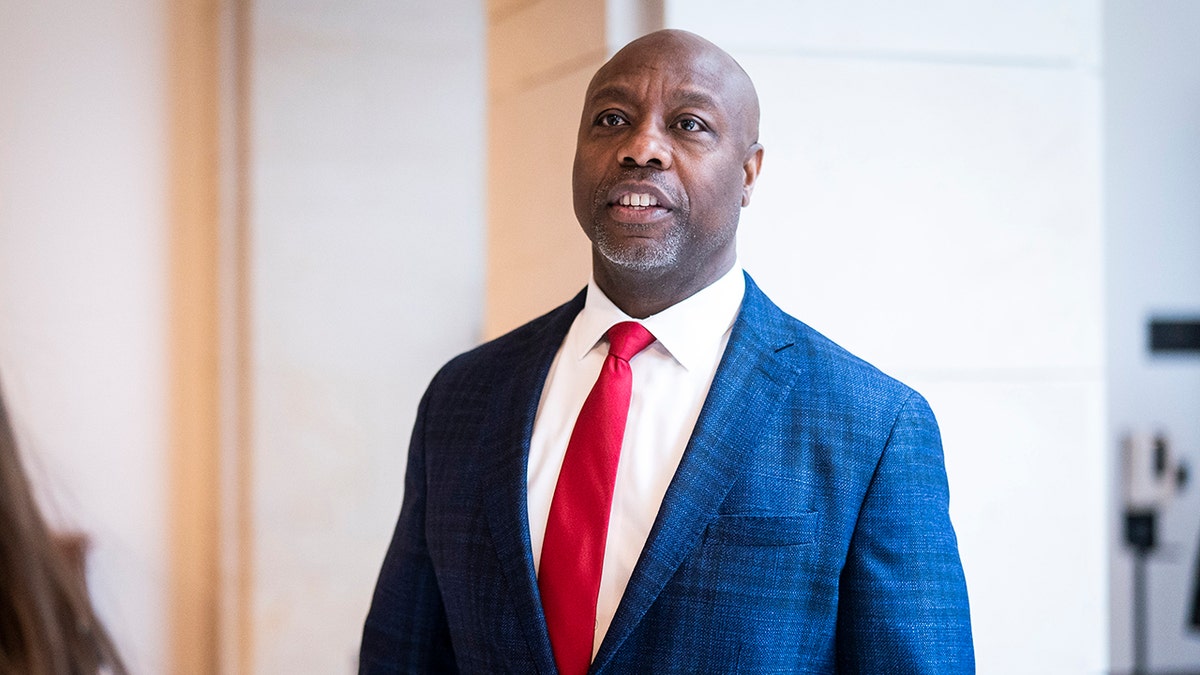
(627, 338)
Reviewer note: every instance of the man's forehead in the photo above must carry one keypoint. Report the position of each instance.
(667, 58)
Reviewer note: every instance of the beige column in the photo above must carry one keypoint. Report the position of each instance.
(541, 55)
(206, 535)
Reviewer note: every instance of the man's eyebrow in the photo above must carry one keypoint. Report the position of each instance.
(697, 99)
(610, 92)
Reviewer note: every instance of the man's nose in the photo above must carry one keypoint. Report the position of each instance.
(647, 145)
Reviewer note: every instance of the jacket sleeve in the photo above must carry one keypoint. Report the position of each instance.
(902, 605)
(406, 629)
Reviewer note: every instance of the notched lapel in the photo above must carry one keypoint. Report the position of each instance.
(751, 382)
(506, 447)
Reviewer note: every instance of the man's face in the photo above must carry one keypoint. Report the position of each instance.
(666, 157)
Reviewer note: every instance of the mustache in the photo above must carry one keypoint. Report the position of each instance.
(639, 174)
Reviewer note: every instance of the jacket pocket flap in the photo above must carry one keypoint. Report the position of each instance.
(756, 530)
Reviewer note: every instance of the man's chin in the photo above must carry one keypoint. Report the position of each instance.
(641, 259)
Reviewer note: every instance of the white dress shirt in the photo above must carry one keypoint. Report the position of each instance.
(671, 379)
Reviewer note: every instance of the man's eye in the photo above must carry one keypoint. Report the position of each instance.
(610, 120)
(689, 124)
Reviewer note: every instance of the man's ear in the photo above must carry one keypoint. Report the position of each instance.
(750, 169)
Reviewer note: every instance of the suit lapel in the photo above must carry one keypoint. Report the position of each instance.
(506, 446)
(747, 389)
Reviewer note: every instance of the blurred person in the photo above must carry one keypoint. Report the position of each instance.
(735, 493)
(1194, 612)
(47, 623)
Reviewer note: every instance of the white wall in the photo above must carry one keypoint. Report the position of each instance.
(83, 284)
(366, 255)
(930, 198)
(1152, 202)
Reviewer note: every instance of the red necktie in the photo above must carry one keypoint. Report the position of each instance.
(573, 551)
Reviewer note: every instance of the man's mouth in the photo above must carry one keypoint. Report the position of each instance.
(638, 204)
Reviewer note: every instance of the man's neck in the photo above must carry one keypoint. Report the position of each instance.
(643, 294)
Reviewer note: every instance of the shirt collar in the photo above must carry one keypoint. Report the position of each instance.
(692, 330)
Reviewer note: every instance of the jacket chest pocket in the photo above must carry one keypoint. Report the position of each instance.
(753, 573)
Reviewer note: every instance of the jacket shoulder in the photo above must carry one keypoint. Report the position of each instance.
(823, 367)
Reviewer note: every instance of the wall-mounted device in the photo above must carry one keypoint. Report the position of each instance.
(1174, 335)
(1152, 475)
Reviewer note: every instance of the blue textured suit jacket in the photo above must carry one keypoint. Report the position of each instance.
(805, 531)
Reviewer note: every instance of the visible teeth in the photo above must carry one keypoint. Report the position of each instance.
(638, 200)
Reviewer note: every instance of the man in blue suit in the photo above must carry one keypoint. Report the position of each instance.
(777, 504)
